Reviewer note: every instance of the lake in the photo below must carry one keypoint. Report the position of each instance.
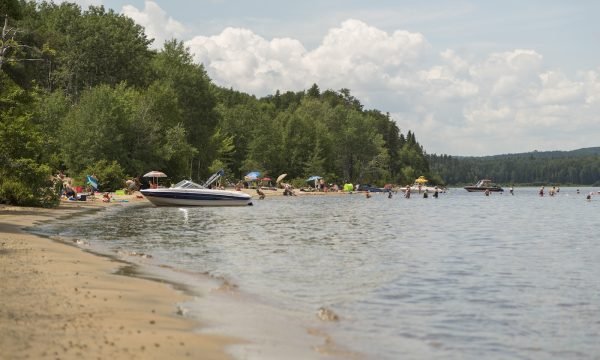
(464, 276)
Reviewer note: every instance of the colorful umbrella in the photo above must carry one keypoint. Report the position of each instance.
(251, 176)
(421, 180)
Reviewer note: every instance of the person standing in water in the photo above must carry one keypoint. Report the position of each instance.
(541, 191)
(512, 191)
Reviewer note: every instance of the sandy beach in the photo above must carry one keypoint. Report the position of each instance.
(60, 302)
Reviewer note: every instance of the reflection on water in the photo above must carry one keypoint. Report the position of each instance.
(462, 276)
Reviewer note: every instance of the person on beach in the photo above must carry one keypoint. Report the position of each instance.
(239, 186)
(287, 190)
(59, 183)
(261, 194)
(70, 193)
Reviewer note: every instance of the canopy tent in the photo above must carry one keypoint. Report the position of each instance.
(348, 187)
(266, 181)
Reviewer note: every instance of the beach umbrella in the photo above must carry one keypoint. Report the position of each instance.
(251, 176)
(155, 174)
(281, 177)
(421, 180)
(313, 178)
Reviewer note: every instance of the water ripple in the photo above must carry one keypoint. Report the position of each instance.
(460, 277)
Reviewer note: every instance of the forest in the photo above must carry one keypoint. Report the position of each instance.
(578, 167)
(82, 91)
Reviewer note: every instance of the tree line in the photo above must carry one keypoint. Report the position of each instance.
(578, 167)
(82, 91)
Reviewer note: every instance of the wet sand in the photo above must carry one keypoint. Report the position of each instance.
(60, 302)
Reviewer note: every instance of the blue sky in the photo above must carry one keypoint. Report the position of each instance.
(468, 77)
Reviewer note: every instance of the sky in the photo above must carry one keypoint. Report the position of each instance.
(471, 77)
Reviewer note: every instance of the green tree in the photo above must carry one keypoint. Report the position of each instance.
(24, 179)
(175, 66)
(92, 47)
(97, 128)
(178, 152)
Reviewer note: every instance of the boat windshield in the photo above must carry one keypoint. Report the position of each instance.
(187, 184)
(484, 182)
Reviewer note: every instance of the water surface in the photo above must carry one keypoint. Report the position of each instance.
(463, 276)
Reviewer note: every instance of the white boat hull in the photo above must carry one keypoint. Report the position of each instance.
(203, 197)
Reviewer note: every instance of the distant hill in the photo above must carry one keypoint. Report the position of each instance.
(576, 167)
(557, 154)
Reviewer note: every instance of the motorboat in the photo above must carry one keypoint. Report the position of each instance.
(189, 193)
(484, 185)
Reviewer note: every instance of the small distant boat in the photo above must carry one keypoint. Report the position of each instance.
(188, 193)
(483, 185)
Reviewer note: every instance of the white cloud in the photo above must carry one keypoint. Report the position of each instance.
(557, 89)
(159, 26)
(503, 102)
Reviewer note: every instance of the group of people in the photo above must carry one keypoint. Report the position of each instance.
(555, 190)
(67, 190)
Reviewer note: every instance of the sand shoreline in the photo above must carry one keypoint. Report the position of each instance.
(59, 301)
